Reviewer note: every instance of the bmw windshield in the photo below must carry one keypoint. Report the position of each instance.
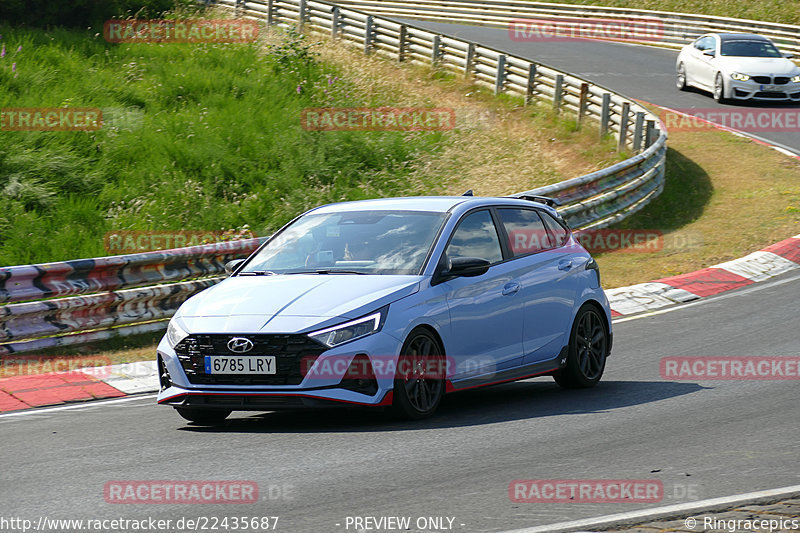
(749, 48)
(351, 242)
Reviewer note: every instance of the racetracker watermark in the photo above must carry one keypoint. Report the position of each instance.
(730, 368)
(50, 119)
(586, 490)
(134, 242)
(181, 31)
(385, 367)
(181, 492)
(27, 365)
(378, 119)
(750, 120)
(570, 29)
(598, 241)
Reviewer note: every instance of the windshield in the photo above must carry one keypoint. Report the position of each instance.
(360, 242)
(749, 49)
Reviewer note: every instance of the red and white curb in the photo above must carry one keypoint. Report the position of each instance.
(114, 381)
(95, 383)
(758, 266)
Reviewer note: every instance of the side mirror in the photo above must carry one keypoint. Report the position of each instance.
(709, 53)
(788, 55)
(467, 267)
(230, 266)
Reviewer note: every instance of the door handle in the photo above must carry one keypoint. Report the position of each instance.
(510, 288)
(565, 264)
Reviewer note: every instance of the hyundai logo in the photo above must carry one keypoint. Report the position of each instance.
(240, 345)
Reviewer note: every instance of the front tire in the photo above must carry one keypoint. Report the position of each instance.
(680, 77)
(419, 380)
(206, 417)
(719, 89)
(588, 349)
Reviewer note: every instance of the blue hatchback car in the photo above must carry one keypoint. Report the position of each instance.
(391, 303)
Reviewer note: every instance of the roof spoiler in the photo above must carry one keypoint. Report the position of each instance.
(546, 200)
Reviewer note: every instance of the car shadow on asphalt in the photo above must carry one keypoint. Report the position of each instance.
(501, 403)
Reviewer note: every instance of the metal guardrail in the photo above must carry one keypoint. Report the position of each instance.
(131, 293)
(675, 29)
(135, 293)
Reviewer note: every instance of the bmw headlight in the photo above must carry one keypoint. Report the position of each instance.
(175, 333)
(739, 76)
(795, 79)
(349, 331)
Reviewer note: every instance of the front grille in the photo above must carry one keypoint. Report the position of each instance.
(781, 80)
(765, 94)
(762, 79)
(289, 351)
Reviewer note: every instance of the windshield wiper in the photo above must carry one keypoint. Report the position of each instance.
(327, 271)
(257, 273)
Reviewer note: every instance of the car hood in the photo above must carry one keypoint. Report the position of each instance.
(290, 303)
(754, 66)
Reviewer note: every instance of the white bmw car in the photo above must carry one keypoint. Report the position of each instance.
(738, 66)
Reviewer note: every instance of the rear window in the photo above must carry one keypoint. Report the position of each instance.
(560, 233)
(526, 231)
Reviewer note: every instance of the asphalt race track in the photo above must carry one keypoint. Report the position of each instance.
(642, 72)
(705, 439)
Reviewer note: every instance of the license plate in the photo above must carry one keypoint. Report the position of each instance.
(770, 88)
(227, 364)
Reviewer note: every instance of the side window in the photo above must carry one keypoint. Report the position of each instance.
(559, 232)
(526, 231)
(476, 236)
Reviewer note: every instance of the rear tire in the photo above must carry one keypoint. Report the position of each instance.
(206, 417)
(588, 349)
(419, 381)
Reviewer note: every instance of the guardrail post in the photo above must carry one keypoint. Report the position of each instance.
(237, 11)
(270, 12)
(335, 22)
(302, 15)
(469, 65)
(623, 125)
(605, 114)
(650, 133)
(637, 131)
(530, 89)
(402, 44)
(500, 77)
(558, 92)
(436, 50)
(584, 96)
(368, 35)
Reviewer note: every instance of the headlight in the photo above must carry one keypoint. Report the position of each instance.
(740, 77)
(349, 331)
(795, 79)
(175, 333)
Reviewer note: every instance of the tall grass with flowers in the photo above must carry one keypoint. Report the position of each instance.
(195, 137)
